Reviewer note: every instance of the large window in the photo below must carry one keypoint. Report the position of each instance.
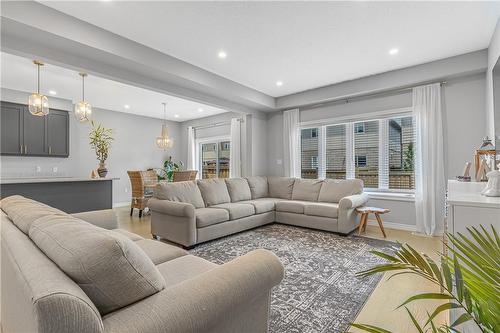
(378, 151)
(214, 159)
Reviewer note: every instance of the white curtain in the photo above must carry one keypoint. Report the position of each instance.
(191, 158)
(429, 159)
(291, 143)
(235, 151)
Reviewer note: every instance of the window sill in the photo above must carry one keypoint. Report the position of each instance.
(394, 196)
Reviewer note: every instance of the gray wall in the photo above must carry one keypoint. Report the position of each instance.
(464, 126)
(133, 149)
(492, 121)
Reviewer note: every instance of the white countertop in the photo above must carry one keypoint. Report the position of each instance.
(30, 180)
(469, 194)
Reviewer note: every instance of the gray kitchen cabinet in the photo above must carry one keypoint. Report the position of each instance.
(58, 133)
(24, 134)
(11, 119)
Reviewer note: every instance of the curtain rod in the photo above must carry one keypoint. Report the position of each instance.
(364, 96)
(222, 123)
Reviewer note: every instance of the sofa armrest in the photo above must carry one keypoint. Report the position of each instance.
(173, 208)
(233, 297)
(105, 218)
(353, 201)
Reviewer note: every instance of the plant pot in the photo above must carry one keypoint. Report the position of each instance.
(102, 170)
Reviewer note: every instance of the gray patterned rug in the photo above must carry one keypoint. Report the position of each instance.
(319, 292)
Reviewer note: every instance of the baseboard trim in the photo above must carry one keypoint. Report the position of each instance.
(396, 226)
(121, 204)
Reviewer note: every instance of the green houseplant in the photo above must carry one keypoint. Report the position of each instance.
(469, 280)
(100, 140)
(170, 166)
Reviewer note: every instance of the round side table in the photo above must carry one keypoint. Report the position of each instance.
(365, 211)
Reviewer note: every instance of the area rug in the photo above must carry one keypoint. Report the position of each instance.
(319, 292)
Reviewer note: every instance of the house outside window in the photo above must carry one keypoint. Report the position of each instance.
(359, 128)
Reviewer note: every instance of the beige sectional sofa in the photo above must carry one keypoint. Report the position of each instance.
(79, 274)
(193, 212)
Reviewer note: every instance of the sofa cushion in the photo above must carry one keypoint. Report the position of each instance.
(187, 192)
(306, 189)
(23, 211)
(322, 209)
(160, 252)
(290, 206)
(128, 234)
(209, 216)
(258, 187)
(238, 189)
(214, 191)
(281, 187)
(110, 268)
(238, 210)
(263, 205)
(183, 268)
(333, 190)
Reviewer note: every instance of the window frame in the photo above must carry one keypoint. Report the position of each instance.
(350, 122)
(199, 158)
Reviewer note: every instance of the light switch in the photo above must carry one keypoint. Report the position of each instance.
(54, 169)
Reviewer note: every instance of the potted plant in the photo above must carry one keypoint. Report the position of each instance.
(170, 166)
(100, 140)
(469, 281)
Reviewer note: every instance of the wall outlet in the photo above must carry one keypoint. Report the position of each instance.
(54, 169)
(279, 161)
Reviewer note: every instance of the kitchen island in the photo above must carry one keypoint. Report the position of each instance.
(69, 194)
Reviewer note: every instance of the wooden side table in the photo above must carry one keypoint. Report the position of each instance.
(365, 211)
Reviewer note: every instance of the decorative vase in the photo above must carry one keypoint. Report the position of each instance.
(493, 187)
(102, 171)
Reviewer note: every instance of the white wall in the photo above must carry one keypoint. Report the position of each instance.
(464, 126)
(493, 55)
(133, 148)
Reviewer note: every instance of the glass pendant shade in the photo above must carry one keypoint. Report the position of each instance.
(83, 109)
(38, 104)
(164, 141)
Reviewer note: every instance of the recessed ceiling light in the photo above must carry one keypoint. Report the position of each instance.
(126, 106)
(200, 110)
(279, 83)
(393, 51)
(52, 92)
(176, 116)
(222, 54)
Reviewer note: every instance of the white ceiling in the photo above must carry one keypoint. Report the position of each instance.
(19, 73)
(303, 44)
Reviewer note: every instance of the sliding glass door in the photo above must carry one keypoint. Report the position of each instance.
(215, 159)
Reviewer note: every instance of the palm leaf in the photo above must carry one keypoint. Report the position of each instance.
(370, 328)
(426, 296)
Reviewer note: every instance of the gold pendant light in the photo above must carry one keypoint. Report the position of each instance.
(83, 110)
(164, 141)
(38, 104)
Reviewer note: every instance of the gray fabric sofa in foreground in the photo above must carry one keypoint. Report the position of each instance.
(189, 213)
(70, 273)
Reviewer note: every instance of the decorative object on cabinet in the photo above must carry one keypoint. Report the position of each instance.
(163, 141)
(487, 153)
(465, 177)
(467, 281)
(38, 104)
(94, 174)
(482, 171)
(100, 140)
(83, 109)
(492, 189)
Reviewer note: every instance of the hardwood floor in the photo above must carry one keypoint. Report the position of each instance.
(380, 308)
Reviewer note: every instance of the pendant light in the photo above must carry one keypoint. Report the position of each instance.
(38, 104)
(164, 141)
(83, 110)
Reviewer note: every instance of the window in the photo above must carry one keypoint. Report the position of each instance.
(359, 128)
(336, 151)
(378, 151)
(309, 153)
(214, 159)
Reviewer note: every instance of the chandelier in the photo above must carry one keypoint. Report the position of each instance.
(164, 141)
(83, 110)
(38, 104)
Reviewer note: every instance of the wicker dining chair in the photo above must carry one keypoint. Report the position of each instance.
(181, 176)
(140, 193)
